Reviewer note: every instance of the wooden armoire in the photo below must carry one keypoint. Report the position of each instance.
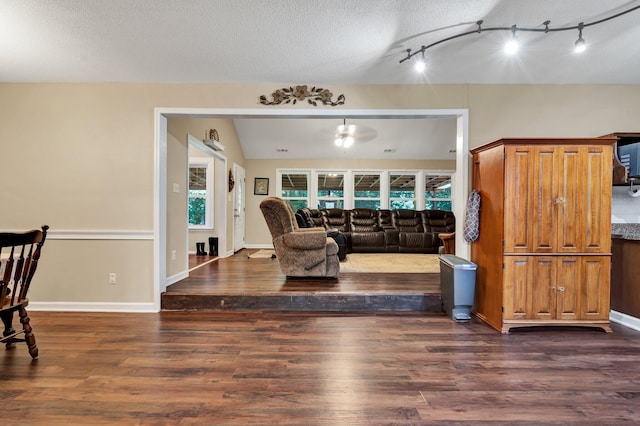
(544, 251)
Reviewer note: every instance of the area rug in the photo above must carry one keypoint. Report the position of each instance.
(391, 262)
(263, 254)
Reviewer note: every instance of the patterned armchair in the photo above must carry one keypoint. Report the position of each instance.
(300, 252)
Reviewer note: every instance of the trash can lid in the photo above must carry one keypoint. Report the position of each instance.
(456, 262)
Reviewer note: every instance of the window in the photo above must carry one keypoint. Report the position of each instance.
(437, 192)
(330, 190)
(366, 191)
(402, 191)
(200, 197)
(295, 189)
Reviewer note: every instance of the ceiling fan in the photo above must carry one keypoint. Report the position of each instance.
(347, 135)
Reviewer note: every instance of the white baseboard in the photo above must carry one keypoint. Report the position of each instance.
(624, 319)
(92, 307)
(175, 278)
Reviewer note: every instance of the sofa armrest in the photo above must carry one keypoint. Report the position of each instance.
(391, 236)
(309, 240)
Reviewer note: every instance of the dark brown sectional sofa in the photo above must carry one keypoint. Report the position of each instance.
(383, 231)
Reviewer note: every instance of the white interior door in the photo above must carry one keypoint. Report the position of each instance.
(238, 208)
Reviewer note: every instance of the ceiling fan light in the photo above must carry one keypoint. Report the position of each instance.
(348, 141)
(338, 141)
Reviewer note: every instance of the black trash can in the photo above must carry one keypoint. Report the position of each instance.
(458, 282)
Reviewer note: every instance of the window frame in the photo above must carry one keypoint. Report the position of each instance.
(435, 200)
(317, 198)
(381, 180)
(206, 163)
(281, 172)
(416, 181)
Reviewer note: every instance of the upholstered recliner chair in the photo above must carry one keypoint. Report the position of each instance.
(300, 252)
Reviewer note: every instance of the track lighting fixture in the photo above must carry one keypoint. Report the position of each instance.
(512, 45)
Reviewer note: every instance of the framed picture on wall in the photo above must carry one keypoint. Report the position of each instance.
(261, 186)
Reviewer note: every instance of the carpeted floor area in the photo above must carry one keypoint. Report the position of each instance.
(263, 254)
(391, 262)
(378, 262)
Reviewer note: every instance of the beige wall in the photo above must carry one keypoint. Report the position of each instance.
(196, 127)
(80, 157)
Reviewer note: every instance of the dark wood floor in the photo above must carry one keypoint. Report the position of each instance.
(181, 368)
(242, 284)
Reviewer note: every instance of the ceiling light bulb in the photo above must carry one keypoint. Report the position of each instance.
(348, 141)
(338, 141)
(421, 64)
(511, 47)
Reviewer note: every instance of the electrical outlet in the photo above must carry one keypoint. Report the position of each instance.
(112, 277)
(174, 255)
(176, 187)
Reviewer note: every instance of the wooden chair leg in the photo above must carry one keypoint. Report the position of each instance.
(29, 338)
(7, 319)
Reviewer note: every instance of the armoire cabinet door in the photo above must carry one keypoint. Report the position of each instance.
(518, 199)
(556, 287)
(595, 287)
(530, 189)
(596, 184)
(557, 199)
(530, 288)
(568, 200)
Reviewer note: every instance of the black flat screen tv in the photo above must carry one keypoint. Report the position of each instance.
(629, 156)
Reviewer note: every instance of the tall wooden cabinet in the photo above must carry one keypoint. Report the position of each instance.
(544, 251)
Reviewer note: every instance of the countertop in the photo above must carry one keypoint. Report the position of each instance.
(626, 231)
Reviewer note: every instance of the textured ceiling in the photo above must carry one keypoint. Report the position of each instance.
(310, 41)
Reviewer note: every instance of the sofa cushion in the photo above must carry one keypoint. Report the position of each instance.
(364, 220)
(336, 219)
(407, 221)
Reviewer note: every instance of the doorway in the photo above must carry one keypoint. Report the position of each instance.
(461, 177)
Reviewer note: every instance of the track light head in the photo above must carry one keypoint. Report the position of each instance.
(421, 64)
(512, 46)
(580, 46)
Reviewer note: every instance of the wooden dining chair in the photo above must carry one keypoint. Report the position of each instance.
(19, 255)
